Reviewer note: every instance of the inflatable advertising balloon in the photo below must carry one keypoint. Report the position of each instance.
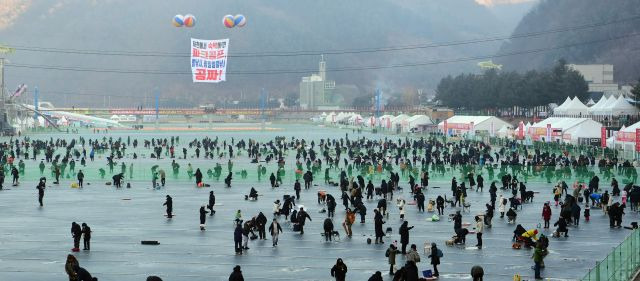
(189, 20)
(228, 21)
(178, 21)
(239, 21)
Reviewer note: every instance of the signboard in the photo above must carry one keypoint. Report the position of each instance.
(209, 60)
(603, 137)
(548, 138)
(638, 139)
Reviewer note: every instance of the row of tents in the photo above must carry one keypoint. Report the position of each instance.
(402, 122)
(606, 106)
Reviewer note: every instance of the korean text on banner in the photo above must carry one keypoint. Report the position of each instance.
(603, 137)
(637, 140)
(209, 60)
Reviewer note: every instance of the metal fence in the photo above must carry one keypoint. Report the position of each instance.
(621, 264)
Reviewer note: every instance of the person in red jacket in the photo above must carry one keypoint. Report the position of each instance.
(546, 214)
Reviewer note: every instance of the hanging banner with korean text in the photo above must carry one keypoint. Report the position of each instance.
(209, 60)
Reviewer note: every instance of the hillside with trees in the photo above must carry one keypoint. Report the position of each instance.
(608, 33)
(493, 89)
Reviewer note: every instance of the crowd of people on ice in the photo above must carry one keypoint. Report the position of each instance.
(369, 172)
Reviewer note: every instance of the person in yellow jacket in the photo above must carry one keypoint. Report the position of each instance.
(529, 237)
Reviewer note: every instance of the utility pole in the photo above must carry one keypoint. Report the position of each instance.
(36, 94)
(262, 106)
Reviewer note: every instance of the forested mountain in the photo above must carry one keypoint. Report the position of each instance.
(494, 90)
(608, 20)
(273, 26)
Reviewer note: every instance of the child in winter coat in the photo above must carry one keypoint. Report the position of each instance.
(546, 214)
(401, 206)
(587, 213)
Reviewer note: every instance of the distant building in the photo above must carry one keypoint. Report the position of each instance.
(315, 90)
(599, 77)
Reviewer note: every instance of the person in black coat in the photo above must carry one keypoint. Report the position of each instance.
(345, 200)
(331, 206)
(419, 197)
(480, 181)
(228, 179)
(80, 178)
(382, 206)
(376, 276)
(83, 274)
(302, 217)
(457, 221)
(203, 216)
(339, 270)
(562, 227)
(378, 219)
(261, 224)
(435, 259)
(86, 233)
(411, 271)
(169, 204)
(237, 237)
(198, 176)
(41, 186)
(76, 232)
(328, 229)
(370, 188)
(272, 179)
(440, 205)
(404, 236)
(212, 202)
(236, 275)
(297, 188)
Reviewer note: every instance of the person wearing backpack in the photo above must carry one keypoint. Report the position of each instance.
(391, 253)
(435, 256)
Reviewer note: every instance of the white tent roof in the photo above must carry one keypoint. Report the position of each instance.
(416, 120)
(599, 104)
(604, 108)
(399, 119)
(591, 102)
(576, 107)
(564, 104)
(563, 123)
(621, 107)
(463, 119)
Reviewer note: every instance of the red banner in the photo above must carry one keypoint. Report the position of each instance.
(444, 127)
(603, 137)
(521, 130)
(638, 139)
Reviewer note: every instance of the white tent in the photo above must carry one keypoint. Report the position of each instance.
(505, 132)
(561, 108)
(398, 121)
(575, 107)
(385, 121)
(566, 129)
(621, 107)
(598, 105)
(331, 118)
(461, 124)
(591, 102)
(370, 121)
(355, 119)
(604, 108)
(415, 121)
